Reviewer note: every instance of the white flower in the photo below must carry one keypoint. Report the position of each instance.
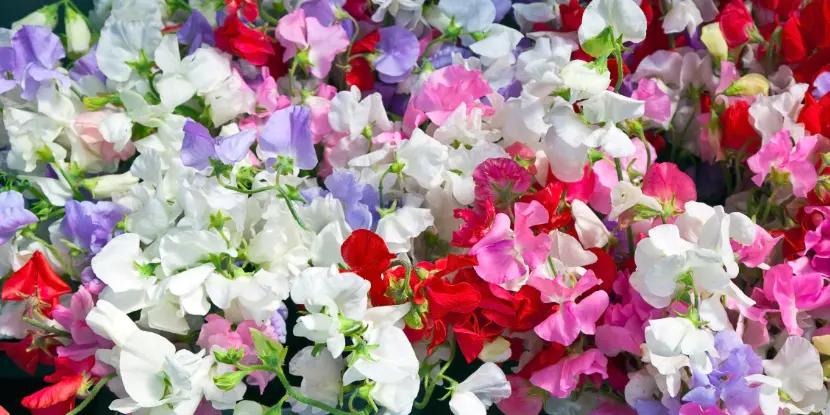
(30, 133)
(78, 35)
(674, 343)
(625, 196)
(173, 85)
(590, 229)
(472, 15)
(462, 163)
(231, 98)
(683, 15)
(399, 228)
(466, 128)
(206, 69)
(611, 108)
(321, 378)
(583, 80)
(123, 42)
(543, 63)
(116, 264)
(351, 115)
(407, 13)
(280, 246)
(109, 322)
(624, 16)
(185, 248)
(484, 387)
(423, 158)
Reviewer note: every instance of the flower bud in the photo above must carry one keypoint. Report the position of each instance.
(712, 37)
(106, 186)
(749, 85)
(78, 35)
(46, 16)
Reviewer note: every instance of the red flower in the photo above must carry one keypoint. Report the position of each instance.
(738, 130)
(815, 16)
(530, 310)
(571, 16)
(735, 20)
(476, 224)
(250, 8)
(27, 354)
(550, 197)
(360, 71)
(815, 115)
(367, 255)
(69, 379)
(548, 356)
(3, 411)
(792, 43)
(240, 40)
(35, 279)
(359, 9)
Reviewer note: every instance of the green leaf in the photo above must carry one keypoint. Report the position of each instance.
(230, 357)
(229, 380)
(602, 44)
(270, 351)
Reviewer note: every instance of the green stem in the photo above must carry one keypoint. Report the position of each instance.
(431, 387)
(91, 395)
(354, 36)
(380, 186)
(407, 274)
(629, 233)
(618, 58)
(299, 397)
(645, 145)
(291, 209)
(429, 45)
(291, 72)
(75, 191)
(767, 207)
(48, 329)
(268, 18)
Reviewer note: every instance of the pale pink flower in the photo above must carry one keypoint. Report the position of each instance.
(563, 377)
(780, 155)
(754, 255)
(84, 341)
(87, 126)
(658, 104)
(296, 33)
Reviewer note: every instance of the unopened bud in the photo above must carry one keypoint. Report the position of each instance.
(749, 85)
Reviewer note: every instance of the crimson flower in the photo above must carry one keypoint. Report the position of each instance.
(367, 255)
(360, 71)
(35, 279)
(69, 379)
(250, 8)
(500, 180)
(476, 224)
(735, 23)
(738, 132)
(240, 40)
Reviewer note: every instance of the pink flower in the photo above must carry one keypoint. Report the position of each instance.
(558, 291)
(624, 328)
(521, 401)
(779, 155)
(658, 104)
(563, 377)
(84, 341)
(669, 185)
(754, 255)
(500, 180)
(502, 257)
(572, 318)
(444, 91)
(87, 125)
(316, 44)
(614, 408)
(799, 289)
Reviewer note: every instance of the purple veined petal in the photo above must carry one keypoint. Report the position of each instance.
(288, 133)
(37, 44)
(197, 146)
(89, 225)
(233, 148)
(399, 50)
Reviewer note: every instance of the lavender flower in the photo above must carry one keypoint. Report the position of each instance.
(288, 133)
(195, 31)
(13, 215)
(398, 51)
(37, 52)
(198, 146)
(359, 199)
(89, 225)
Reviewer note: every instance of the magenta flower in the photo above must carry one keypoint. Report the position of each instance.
(754, 255)
(562, 378)
(500, 180)
(795, 286)
(84, 341)
(318, 44)
(572, 318)
(503, 256)
(779, 156)
(669, 185)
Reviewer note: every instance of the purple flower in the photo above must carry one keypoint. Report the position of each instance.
(443, 57)
(277, 321)
(198, 146)
(359, 199)
(13, 215)
(37, 52)
(727, 381)
(195, 31)
(502, 8)
(822, 85)
(398, 51)
(86, 66)
(89, 225)
(288, 133)
(6, 68)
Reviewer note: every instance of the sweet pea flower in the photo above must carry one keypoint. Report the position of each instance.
(562, 378)
(306, 39)
(37, 51)
(479, 391)
(195, 32)
(472, 15)
(796, 371)
(673, 343)
(124, 41)
(85, 342)
(288, 133)
(500, 180)
(505, 255)
(397, 53)
(573, 318)
(624, 17)
(657, 102)
(521, 401)
(198, 146)
(682, 15)
(444, 91)
(13, 215)
(669, 185)
(423, 158)
(795, 287)
(778, 156)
